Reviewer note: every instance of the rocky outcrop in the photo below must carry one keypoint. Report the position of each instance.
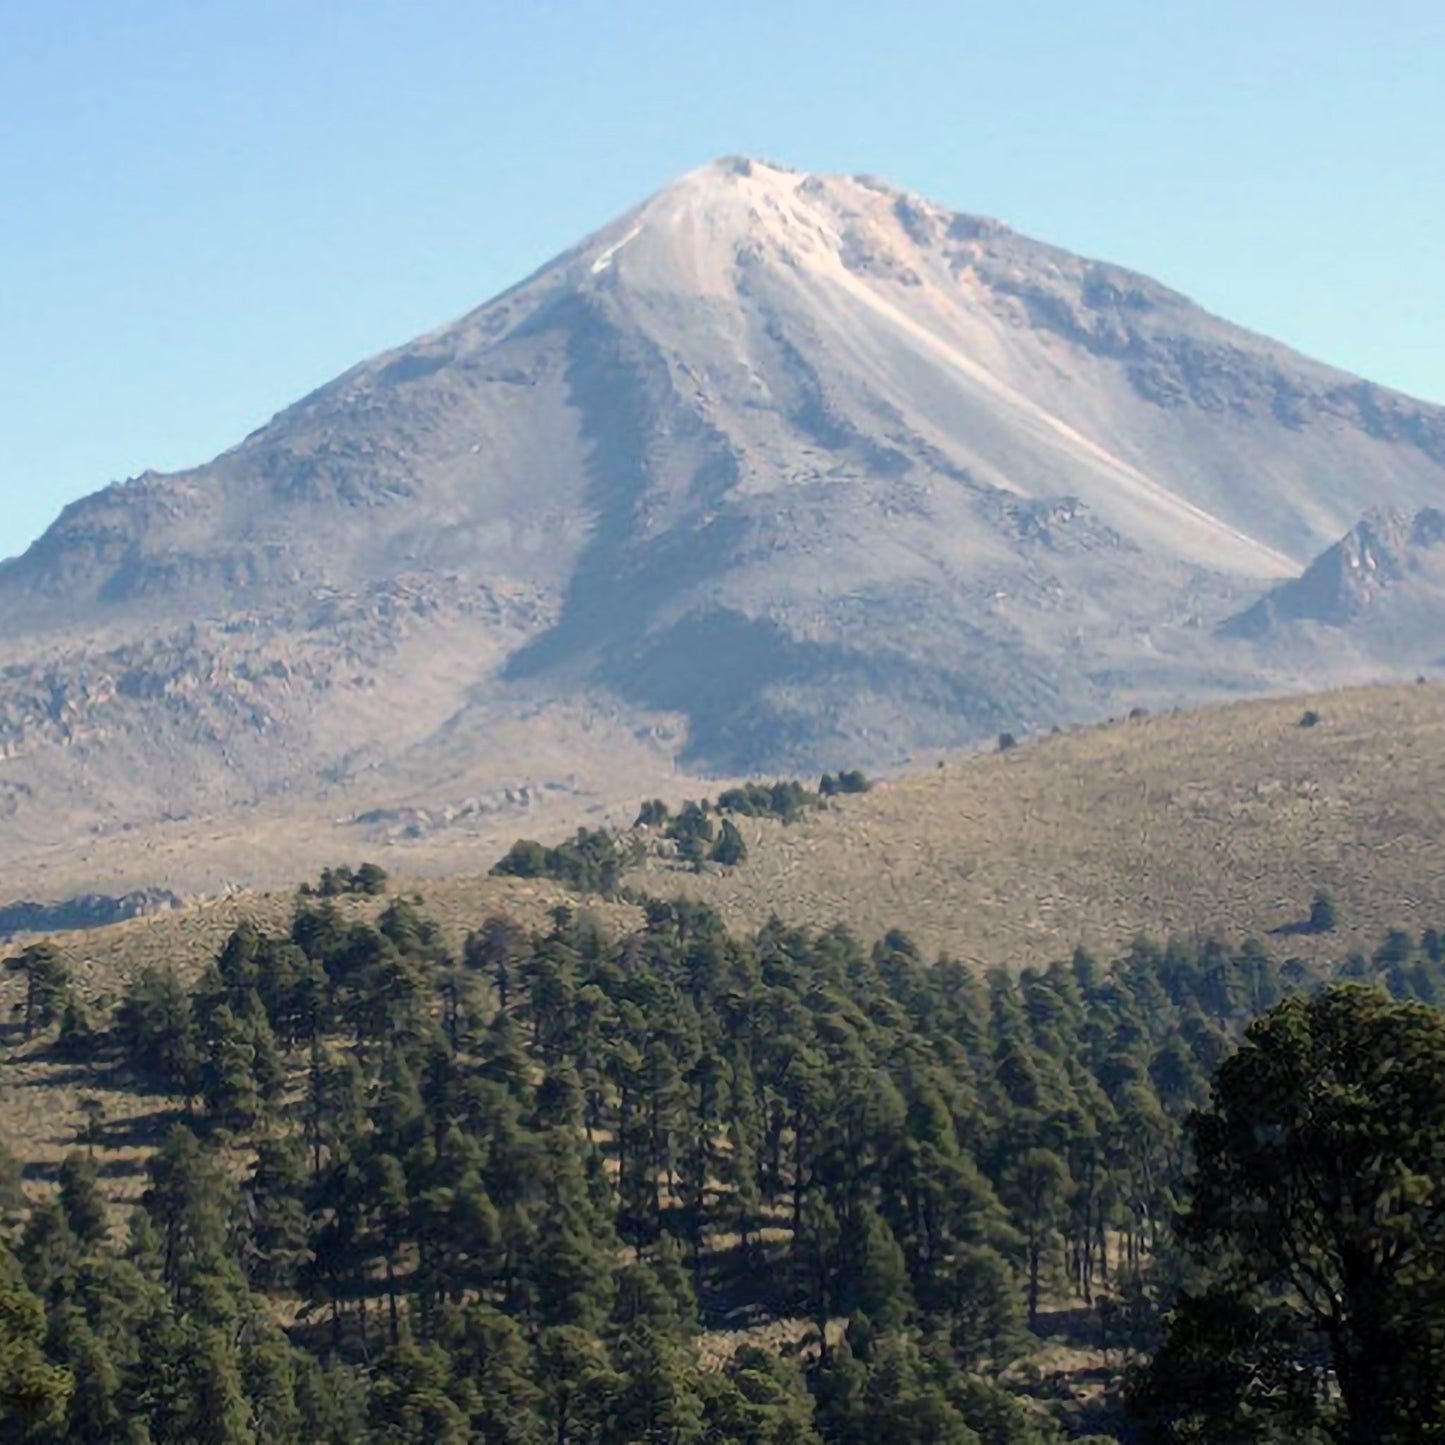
(1386, 551)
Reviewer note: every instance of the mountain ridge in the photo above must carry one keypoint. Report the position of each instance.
(772, 471)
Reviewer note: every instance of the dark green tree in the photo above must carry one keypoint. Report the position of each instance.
(81, 1200)
(370, 879)
(1323, 916)
(77, 1039)
(154, 1027)
(34, 1393)
(757, 1399)
(47, 982)
(1317, 1196)
(412, 1401)
(228, 1070)
(731, 848)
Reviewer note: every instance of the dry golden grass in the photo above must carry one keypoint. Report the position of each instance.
(1225, 819)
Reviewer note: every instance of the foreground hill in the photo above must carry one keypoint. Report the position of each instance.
(1225, 817)
(1228, 816)
(1223, 822)
(775, 471)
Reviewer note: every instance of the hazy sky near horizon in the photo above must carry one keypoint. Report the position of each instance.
(211, 209)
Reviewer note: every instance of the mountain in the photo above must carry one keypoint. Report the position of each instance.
(1384, 580)
(774, 471)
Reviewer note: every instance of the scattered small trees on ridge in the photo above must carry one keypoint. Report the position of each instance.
(785, 800)
(589, 862)
(369, 881)
(854, 781)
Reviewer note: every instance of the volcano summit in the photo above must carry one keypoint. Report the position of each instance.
(776, 471)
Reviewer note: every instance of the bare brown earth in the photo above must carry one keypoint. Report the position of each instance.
(542, 776)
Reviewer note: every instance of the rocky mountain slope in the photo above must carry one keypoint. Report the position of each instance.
(775, 471)
(1381, 588)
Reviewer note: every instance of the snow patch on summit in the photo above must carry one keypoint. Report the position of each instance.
(604, 258)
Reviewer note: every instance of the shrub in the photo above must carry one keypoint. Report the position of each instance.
(1322, 913)
(693, 832)
(653, 814)
(731, 848)
(1310, 719)
(369, 879)
(526, 858)
(1007, 741)
(590, 862)
(785, 800)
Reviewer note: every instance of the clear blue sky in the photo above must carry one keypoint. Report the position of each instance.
(212, 206)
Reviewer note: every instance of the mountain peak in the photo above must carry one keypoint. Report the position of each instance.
(739, 210)
(774, 470)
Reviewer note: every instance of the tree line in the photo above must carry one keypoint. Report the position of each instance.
(499, 1195)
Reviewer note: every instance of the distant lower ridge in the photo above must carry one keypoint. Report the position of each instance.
(90, 910)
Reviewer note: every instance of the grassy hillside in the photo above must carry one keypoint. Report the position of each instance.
(1163, 824)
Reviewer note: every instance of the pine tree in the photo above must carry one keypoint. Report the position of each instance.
(94, 1412)
(269, 1376)
(279, 1226)
(33, 1392)
(731, 848)
(331, 1403)
(77, 1039)
(222, 1412)
(190, 1202)
(489, 1350)
(885, 1392)
(48, 1250)
(1037, 1185)
(1316, 1195)
(228, 1072)
(155, 1029)
(578, 1384)
(81, 1201)
(757, 1399)
(659, 1400)
(411, 1402)
(47, 982)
